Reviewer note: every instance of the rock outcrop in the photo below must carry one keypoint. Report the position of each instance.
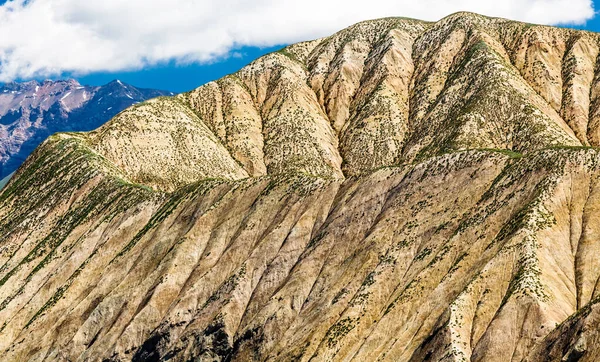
(398, 191)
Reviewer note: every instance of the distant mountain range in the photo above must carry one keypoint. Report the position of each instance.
(32, 111)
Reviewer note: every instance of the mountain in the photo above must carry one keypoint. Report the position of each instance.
(5, 180)
(398, 191)
(32, 111)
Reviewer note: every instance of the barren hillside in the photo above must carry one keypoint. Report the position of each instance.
(398, 191)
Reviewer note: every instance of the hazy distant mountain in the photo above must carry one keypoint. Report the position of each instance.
(5, 180)
(31, 111)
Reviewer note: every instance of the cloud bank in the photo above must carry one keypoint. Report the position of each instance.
(43, 38)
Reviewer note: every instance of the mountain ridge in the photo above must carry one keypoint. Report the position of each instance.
(32, 111)
(400, 190)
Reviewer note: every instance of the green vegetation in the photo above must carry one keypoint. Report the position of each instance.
(339, 330)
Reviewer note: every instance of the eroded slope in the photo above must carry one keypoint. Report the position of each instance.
(400, 190)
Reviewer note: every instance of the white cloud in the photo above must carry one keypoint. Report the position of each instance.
(40, 38)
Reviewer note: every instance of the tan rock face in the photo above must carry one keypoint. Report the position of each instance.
(399, 191)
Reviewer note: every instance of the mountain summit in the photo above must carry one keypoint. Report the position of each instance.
(398, 191)
(32, 111)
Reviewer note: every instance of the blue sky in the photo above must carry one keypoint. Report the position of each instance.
(178, 45)
(180, 78)
(592, 24)
(183, 78)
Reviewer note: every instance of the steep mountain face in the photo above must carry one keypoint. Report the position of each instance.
(398, 191)
(32, 111)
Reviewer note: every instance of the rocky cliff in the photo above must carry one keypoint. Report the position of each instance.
(32, 111)
(398, 191)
